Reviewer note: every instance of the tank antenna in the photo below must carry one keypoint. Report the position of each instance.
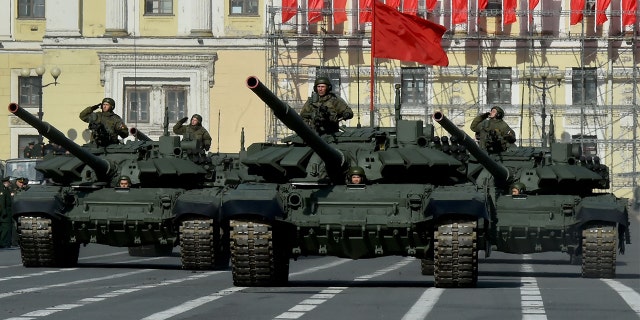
(218, 131)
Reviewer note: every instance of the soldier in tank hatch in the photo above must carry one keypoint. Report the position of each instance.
(124, 182)
(324, 110)
(356, 175)
(494, 134)
(105, 126)
(194, 131)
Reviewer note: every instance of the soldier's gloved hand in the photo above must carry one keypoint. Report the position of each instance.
(486, 115)
(95, 107)
(206, 147)
(347, 115)
(183, 120)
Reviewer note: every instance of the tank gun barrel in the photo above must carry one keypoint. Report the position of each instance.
(496, 169)
(99, 165)
(333, 158)
(139, 135)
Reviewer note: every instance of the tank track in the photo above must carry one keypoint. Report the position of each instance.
(456, 254)
(599, 243)
(39, 248)
(255, 261)
(199, 245)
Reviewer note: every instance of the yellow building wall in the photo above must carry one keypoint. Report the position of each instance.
(93, 18)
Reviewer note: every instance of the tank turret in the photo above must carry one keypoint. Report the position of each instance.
(101, 166)
(334, 159)
(500, 173)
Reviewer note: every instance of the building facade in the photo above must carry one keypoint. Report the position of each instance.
(557, 79)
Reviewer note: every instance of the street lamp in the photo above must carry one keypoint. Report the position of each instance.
(55, 73)
(544, 74)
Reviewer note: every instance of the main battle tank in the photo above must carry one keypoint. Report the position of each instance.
(562, 204)
(174, 199)
(417, 201)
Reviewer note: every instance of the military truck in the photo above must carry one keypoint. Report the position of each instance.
(417, 200)
(174, 200)
(563, 202)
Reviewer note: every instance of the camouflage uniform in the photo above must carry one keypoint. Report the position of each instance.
(495, 135)
(6, 221)
(193, 132)
(323, 113)
(112, 123)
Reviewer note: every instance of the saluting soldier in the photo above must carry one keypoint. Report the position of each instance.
(105, 126)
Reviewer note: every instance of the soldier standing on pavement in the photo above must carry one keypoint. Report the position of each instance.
(324, 110)
(105, 126)
(495, 135)
(6, 221)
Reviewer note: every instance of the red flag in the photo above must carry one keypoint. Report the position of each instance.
(315, 10)
(532, 5)
(482, 4)
(339, 12)
(509, 11)
(577, 8)
(431, 4)
(410, 7)
(289, 9)
(629, 8)
(460, 8)
(601, 7)
(406, 37)
(393, 3)
(365, 11)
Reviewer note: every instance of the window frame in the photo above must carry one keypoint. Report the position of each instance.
(161, 7)
(413, 97)
(588, 84)
(36, 9)
(502, 77)
(31, 84)
(245, 6)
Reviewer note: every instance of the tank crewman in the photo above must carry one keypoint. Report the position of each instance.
(495, 135)
(6, 222)
(28, 150)
(356, 175)
(194, 131)
(124, 182)
(38, 150)
(22, 184)
(518, 188)
(324, 110)
(105, 126)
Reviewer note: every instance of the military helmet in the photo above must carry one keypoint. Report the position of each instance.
(355, 170)
(198, 117)
(499, 112)
(520, 186)
(322, 80)
(110, 101)
(125, 178)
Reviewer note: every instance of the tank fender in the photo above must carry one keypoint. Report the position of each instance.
(587, 212)
(474, 206)
(185, 207)
(253, 200)
(25, 204)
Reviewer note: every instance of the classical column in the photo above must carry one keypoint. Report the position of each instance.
(201, 18)
(116, 19)
(63, 18)
(6, 19)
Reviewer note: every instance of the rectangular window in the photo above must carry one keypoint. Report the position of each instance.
(584, 84)
(30, 8)
(158, 7)
(498, 85)
(176, 102)
(29, 92)
(413, 86)
(494, 8)
(138, 104)
(333, 73)
(243, 7)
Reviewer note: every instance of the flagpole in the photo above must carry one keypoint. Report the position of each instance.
(372, 67)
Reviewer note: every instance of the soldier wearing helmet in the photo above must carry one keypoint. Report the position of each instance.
(494, 134)
(324, 110)
(518, 188)
(356, 175)
(105, 126)
(194, 131)
(124, 182)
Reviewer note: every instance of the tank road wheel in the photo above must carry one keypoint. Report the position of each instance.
(456, 254)
(200, 245)
(599, 243)
(427, 266)
(255, 261)
(39, 248)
